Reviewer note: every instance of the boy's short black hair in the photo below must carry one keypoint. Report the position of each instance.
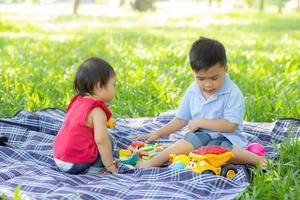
(91, 72)
(205, 53)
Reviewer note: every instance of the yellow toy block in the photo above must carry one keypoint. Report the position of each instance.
(111, 123)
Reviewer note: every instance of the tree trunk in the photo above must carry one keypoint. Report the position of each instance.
(76, 6)
(210, 3)
(219, 3)
(280, 5)
(249, 3)
(298, 7)
(262, 5)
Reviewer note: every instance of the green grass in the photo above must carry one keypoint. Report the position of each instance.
(38, 65)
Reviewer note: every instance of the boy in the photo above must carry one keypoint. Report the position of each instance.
(212, 107)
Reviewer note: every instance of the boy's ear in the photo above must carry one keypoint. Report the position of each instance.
(226, 68)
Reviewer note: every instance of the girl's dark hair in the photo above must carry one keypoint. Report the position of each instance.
(206, 52)
(92, 71)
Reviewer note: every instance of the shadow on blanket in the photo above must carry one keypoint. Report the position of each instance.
(27, 162)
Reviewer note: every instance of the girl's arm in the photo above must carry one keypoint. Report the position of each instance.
(217, 125)
(102, 139)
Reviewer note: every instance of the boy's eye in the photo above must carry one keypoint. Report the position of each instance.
(214, 78)
(200, 79)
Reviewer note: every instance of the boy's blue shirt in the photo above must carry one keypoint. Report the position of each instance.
(227, 103)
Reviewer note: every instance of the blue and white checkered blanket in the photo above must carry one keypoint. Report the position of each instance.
(28, 163)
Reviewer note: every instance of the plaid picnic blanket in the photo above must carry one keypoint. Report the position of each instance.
(27, 162)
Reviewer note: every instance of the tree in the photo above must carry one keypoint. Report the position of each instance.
(262, 5)
(218, 2)
(280, 5)
(142, 5)
(249, 3)
(76, 6)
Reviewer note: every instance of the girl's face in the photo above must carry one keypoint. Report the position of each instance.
(107, 93)
(210, 81)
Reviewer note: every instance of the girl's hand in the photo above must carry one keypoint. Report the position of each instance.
(194, 125)
(147, 138)
(112, 167)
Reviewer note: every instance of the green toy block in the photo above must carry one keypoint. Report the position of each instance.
(147, 157)
(147, 148)
(131, 160)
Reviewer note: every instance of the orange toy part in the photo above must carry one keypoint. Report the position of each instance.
(210, 150)
(138, 144)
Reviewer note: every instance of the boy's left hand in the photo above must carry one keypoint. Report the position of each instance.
(194, 125)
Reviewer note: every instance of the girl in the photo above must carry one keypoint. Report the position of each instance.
(83, 139)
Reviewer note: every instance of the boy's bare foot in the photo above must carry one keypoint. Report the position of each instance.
(264, 163)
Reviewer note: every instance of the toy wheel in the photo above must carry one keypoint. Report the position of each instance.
(229, 171)
(208, 172)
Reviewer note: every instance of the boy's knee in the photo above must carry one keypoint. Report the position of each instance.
(197, 140)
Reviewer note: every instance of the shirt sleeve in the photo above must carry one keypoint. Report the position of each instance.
(235, 108)
(183, 112)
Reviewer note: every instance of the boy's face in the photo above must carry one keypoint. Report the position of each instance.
(210, 81)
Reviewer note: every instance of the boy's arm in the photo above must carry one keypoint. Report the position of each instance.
(174, 125)
(102, 139)
(217, 125)
(233, 116)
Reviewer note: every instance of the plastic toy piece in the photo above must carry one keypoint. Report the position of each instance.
(257, 149)
(124, 153)
(148, 147)
(111, 123)
(132, 148)
(131, 160)
(206, 160)
(210, 150)
(143, 153)
(179, 162)
(184, 159)
(138, 144)
(139, 150)
(147, 158)
(177, 165)
(127, 157)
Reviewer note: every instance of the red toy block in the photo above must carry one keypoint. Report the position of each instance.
(210, 150)
(131, 148)
(143, 153)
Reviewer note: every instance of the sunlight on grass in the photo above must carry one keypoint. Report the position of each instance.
(39, 60)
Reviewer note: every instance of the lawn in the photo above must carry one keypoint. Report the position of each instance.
(38, 63)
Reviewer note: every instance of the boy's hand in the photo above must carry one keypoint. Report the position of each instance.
(147, 138)
(194, 125)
